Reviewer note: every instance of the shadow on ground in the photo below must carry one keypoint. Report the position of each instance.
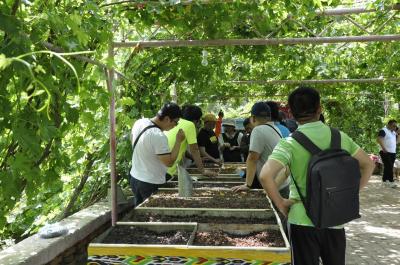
(375, 237)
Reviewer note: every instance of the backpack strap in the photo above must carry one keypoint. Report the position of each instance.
(306, 142)
(280, 135)
(310, 147)
(140, 134)
(335, 139)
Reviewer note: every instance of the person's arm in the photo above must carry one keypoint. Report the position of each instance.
(194, 150)
(237, 146)
(188, 155)
(244, 143)
(366, 166)
(251, 168)
(222, 144)
(380, 142)
(239, 140)
(169, 159)
(204, 154)
(191, 137)
(281, 177)
(267, 179)
(381, 136)
(244, 146)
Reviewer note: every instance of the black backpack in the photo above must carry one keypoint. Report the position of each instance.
(333, 183)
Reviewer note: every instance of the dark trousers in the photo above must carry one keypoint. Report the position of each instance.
(388, 162)
(309, 244)
(142, 190)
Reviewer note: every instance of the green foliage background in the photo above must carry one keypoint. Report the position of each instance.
(44, 155)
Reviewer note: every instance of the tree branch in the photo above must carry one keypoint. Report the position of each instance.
(10, 151)
(67, 211)
(45, 154)
(14, 7)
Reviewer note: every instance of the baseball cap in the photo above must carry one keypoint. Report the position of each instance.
(261, 109)
(209, 117)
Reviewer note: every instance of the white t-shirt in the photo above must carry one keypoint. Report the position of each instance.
(389, 140)
(146, 166)
(263, 140)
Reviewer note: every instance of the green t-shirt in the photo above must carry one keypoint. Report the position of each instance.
(189, 130)
(290, 152)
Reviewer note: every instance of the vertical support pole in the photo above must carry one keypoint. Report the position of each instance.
(113, 141)
(174, 93)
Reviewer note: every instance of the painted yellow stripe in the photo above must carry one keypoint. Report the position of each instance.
(262, 255)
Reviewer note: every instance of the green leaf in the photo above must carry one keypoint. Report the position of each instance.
(21, 163)
(37, 92)
(125, 101)
(27, 138)
(4, 62)
(9, 24)
(47, 132)
(39, 69)
(88, 119)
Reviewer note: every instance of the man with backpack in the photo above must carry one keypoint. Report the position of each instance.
(327, 171)
(151, 153)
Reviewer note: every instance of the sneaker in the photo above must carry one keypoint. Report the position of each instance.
(385, 183)
(392, 185)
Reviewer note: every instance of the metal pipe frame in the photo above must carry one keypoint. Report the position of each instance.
(257, 42)
(327, 12)
(239, 42)
(317, 81)
(353, 10)
(113, 141)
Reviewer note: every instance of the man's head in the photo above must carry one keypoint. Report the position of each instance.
(229, 127)
(169, 115)
(209, 121)
(304, 103)
(247, 125)
(192, 113)
(260, 113)
(392, 125)
(274, 107)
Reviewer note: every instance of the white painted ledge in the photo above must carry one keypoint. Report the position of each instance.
(37, 251)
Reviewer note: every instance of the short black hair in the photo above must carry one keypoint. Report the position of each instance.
(304, 102)
(191, 112)
(274, 107)
(171, 110)
(282, 116)
(261, 110)
(390, 122)
(246, 122)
